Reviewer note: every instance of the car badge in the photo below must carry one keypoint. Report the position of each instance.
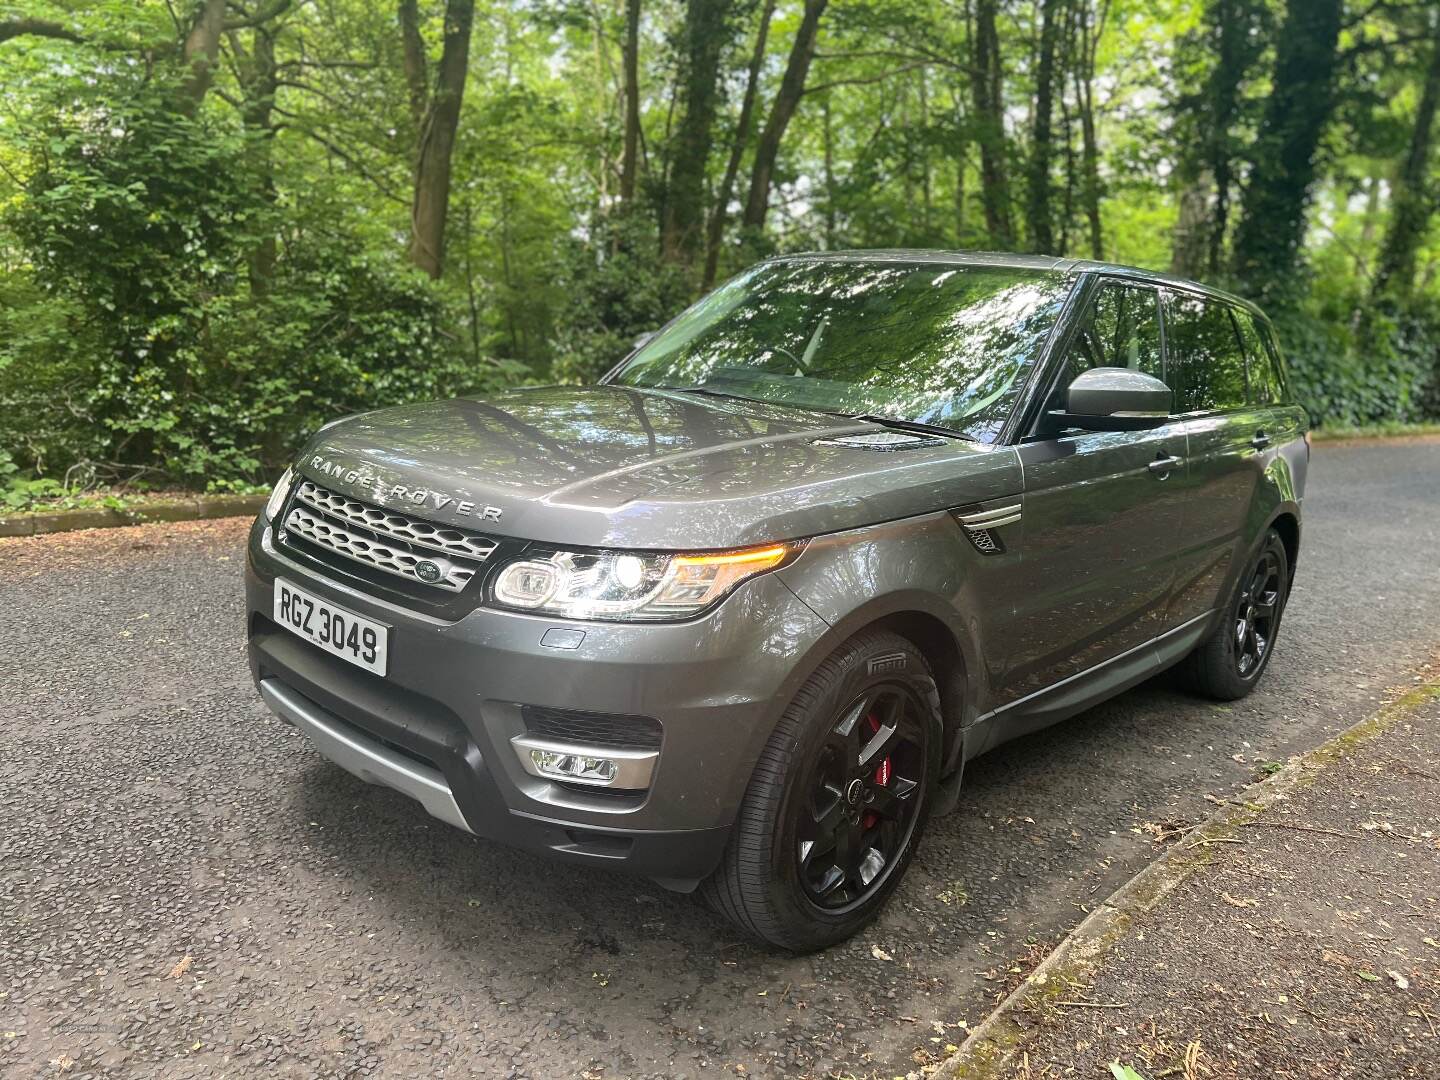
(427, 571)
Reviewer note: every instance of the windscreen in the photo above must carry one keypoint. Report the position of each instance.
(931, 343)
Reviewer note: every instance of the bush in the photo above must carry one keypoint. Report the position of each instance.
(1382, 367)
(131, 339)
(619, 289)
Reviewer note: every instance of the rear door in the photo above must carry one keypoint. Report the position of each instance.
(1104, 512)
(1226, 429)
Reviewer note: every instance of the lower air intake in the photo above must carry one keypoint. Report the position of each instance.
(592, 729)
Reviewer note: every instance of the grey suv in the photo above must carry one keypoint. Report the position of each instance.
(736, 617)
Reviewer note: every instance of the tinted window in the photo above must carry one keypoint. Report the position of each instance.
(943, 344)
(1265, 385)
(1120, 329)
(1206, 362)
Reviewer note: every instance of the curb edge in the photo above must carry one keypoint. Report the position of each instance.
(200, 508)
(992, 1045)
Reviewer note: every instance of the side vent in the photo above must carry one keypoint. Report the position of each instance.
(985, 541)
(980, 526)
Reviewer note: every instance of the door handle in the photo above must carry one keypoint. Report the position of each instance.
(1260, 441)
(1161, 466)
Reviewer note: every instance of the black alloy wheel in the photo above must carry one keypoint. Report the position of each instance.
(838, 800)
(865, 797)
(1257, 610)
(1228, 663)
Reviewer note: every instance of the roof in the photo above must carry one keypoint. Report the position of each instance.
(1012, 260)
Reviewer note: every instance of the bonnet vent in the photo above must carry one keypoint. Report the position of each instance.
(882, 440)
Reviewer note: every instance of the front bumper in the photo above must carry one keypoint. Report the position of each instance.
(439, 727)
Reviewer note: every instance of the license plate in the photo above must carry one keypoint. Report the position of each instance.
(335, 629)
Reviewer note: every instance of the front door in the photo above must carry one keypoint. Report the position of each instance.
(1104, 513)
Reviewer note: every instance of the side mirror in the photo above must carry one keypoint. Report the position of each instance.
(1114, 399)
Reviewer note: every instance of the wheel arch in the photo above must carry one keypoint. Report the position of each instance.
(1287, 524)
(935, 633)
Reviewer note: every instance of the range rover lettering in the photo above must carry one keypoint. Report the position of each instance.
(737, 616)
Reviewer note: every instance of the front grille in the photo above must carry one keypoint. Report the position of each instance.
(592, 729)
(420, 551)
(396, 526)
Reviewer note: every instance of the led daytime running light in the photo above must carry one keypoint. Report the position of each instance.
(625, 586)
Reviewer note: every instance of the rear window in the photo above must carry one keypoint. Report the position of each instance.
(1205, 361)
(1266, 386)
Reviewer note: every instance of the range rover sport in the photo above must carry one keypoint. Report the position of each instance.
(736, 617)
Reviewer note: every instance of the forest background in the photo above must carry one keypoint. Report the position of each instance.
(225, 222)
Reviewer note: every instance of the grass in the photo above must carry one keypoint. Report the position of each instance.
(1388, 429)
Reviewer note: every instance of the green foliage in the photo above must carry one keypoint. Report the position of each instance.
(133, 338)
(1362, 370)
(187, 290)
(619, 289)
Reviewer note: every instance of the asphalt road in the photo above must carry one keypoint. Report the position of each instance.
(186, 889)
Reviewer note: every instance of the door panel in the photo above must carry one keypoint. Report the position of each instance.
(1224, 472)
(1102, 532)
(1214, 384)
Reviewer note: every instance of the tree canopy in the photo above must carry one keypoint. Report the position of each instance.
(224, 222)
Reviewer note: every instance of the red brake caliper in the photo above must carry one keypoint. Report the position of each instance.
(882, 775)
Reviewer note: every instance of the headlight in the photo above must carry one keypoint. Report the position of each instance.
(620, 586)
(277, 494)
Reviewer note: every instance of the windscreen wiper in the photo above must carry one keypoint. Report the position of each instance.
(700, 390)
(909, 425)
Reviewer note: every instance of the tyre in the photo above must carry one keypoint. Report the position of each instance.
(1227, 665)
(837, 801)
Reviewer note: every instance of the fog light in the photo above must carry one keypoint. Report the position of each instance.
(575, 767)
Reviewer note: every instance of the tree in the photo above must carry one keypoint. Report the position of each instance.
(704, 37)
(1230, 45)
(437, 114)
(720, 213)
(630, 154)
(782, 110)
(988, 111)
(1415, 196)
(1089, 26)
(1042, 232)
(1267, 245)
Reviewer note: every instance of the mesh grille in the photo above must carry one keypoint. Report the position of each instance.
(370, 549)
(592, 729)
(985, 541)
(395, 526)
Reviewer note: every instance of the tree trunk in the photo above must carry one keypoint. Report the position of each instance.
(1088, 40)
(1042, 231)
(787, 100)
(437, 142)
(258, 80)
(720, 213)
(1189, 245)
(1067, 125)
(630, 153)
(1235, 24)
(201, 51)
(412, 53)
(927, 195)
(986, 87)
(705, 36)
(1412, 204)
(1267, 244)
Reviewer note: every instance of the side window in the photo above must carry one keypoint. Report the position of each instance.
(1265, 385)
(1205, 358)
(1121, 328)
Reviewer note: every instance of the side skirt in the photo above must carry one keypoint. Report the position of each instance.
(1086, 688)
